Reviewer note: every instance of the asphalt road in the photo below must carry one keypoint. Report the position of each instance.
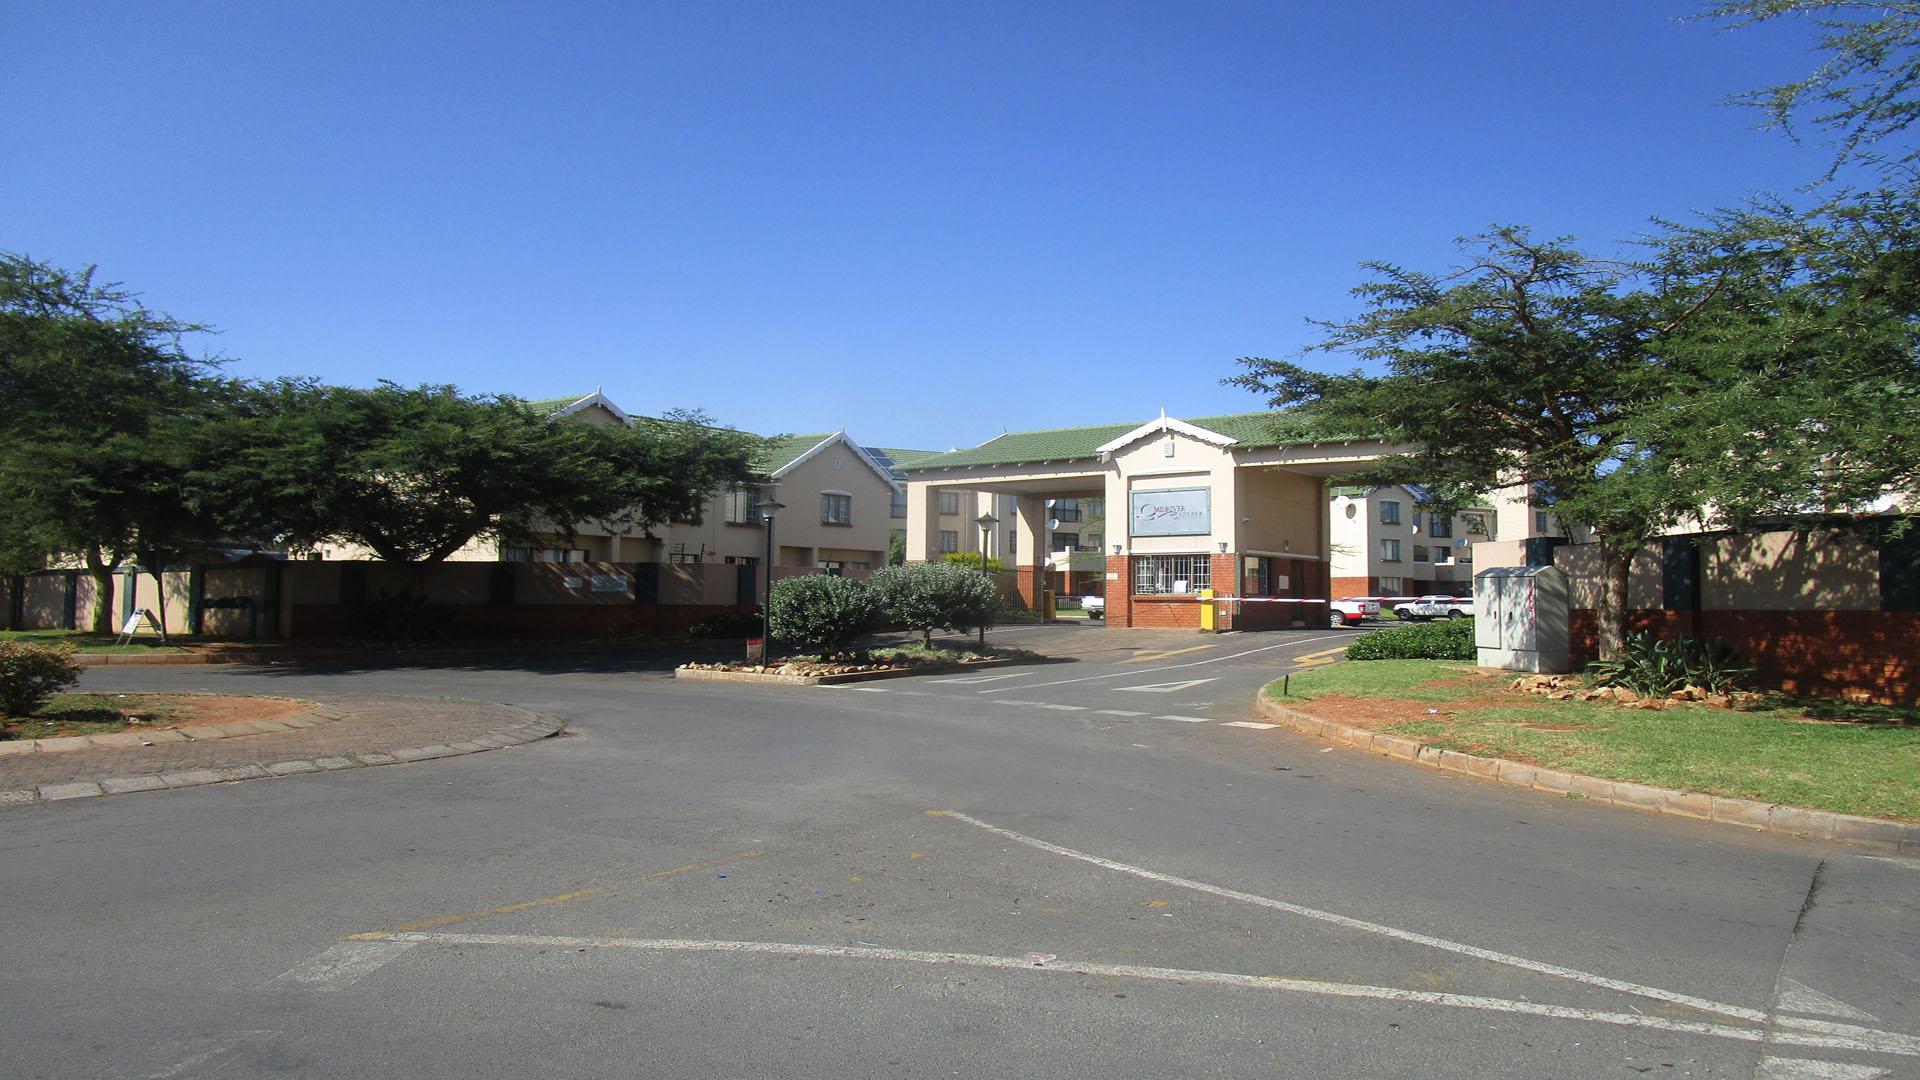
(1079, 868)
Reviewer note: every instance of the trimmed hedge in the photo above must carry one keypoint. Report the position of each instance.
(31, 674)
(822, 613)
(936, 596)
(1444, 639)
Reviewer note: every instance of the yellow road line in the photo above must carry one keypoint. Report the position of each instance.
(1322, 656)
(545, 901)
(1163, 655)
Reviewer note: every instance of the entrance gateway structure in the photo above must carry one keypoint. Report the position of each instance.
(1231, 505)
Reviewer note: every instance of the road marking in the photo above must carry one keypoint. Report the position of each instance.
(1773, 1068)
(344, 963)
(1118, 712)
(1187, 719)
(1059, 708)
(868, 689)
(1798, 997)
(1031, 963)
(1249, 724)
(986, 678)
(1655, 993)
(1145, 658)
(1166, 687)
(200, 1050)
(1176, 667)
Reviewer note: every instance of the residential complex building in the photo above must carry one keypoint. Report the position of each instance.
(1387, 542)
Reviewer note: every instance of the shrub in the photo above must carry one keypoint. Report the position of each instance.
(821, 612)
(971, 560)
(30, 674)
(1447, 639)
(936, 596)
(1655, 668)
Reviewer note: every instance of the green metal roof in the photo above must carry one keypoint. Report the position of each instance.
(555, 404)
(1080, 443)
(782, 449)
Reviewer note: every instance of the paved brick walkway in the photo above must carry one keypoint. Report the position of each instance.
(370, 731)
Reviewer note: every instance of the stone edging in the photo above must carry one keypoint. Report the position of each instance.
(535, 728)
(319, 714)
(704, 675)
(1765, 817)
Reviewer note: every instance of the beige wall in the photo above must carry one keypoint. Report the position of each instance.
(1776, 571)
(1282, 511)
(1144, 465)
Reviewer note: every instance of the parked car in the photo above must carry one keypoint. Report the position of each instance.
(1435, 607)
(1349, 611)
(1094, 606)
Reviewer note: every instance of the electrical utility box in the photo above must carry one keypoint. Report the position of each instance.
(1521, 618)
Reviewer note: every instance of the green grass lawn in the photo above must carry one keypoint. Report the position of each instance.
(92, 643)
(1821, 755)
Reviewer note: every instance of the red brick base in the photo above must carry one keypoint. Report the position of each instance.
(1869, 654)
(1029, 582)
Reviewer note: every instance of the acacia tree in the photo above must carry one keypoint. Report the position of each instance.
(1533, 363)
(101, 398)
(414, 474)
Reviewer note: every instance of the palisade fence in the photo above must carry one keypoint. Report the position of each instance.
(1819, 612)
(270, 600)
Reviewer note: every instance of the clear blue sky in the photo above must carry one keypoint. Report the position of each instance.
(925, 223)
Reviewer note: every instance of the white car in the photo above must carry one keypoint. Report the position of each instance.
(1435, 607)
(1094, 606)
(1349, 611)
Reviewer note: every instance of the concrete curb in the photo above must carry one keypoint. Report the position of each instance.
(1747, 813)
(704, 675)
(536, 727)
(319, 714)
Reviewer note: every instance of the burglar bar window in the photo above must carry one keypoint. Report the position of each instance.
(1161, 575)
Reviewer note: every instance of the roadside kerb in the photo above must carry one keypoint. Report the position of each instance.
(313, 717)
(536, 726)
(1747, 813)
(772, 678)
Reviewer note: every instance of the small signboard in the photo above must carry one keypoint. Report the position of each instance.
(756, 650)
(1170, 512)
(132, 626)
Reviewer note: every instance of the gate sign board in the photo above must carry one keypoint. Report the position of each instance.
(1170, 512)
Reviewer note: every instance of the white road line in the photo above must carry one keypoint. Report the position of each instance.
(1187, 719)
(1796, 996)
(1657, 994)
(985, 678)
(1249, 724)
(1176, 667)
(1773, 1068)
(1165, 687)
(1138, 971)
(869, 689)
(1118, 712)
(344, 964)
(1059, 708)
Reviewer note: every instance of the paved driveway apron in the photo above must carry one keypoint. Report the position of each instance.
(1080, 870)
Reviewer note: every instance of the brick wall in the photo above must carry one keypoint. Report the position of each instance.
(1030, 582)
(1119, 591)
(1875, 654)
(1352, 586)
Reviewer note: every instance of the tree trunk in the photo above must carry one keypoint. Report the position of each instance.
(101, 571)
(1616, 568)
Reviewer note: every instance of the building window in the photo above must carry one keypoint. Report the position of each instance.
(1066, 541)
(534, 554)
(1442, 554)
(738, 506)
(743, 560)
(836, 509)
(1439, 527)
(1393, 586)
(1013, 537)
(1540, 522)
(899, 507)
(683, 557)
(1066, 509)
(1163, 575)
(949, 502)
(861, 565)
(833, 567)
(1390, 550)
(1419, 553)
(1476, 524)
(949, 541)
(1389, 511)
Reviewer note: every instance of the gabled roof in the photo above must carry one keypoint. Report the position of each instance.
(567, 406)
(797, 449)
(1165, 423)
(1240, 430)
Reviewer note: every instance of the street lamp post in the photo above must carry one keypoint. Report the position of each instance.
(986, 522)
(767, 509)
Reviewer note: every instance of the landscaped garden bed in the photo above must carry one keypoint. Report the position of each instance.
(1825, 755)
(814, 670)
(67, 715)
